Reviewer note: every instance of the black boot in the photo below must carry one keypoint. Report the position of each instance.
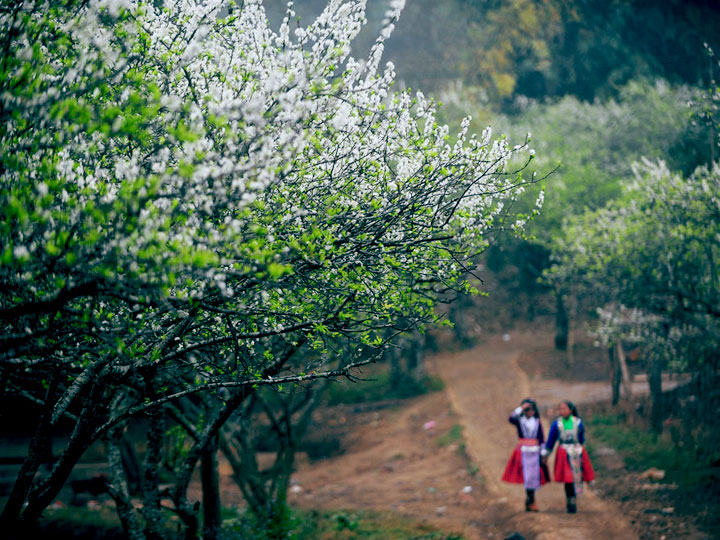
(530, 505)
(571, 500)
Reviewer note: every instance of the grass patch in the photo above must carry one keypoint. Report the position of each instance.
(642, 449)
(686, 451)
(377, 387)
(81, 523)
(346, 525)
(452, 436)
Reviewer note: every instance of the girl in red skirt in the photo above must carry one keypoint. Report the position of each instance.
(524, 465)
(572, 463)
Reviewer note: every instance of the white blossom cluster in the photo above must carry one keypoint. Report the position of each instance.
(619, 322)
(186, 149)
(242, 114)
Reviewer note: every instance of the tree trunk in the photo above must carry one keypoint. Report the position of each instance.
(44, 493)
(655, 379)
(210, 491)
(266, 491)
(416, 357)
(622, 361)
(119, 490)
(614, 376)
(396, 372)
(457, 315)
(561, 323)
(130, 465)
(209, 437)
(243, 474)
(150, 485)
(187, 511)
(31, 463)
(571, 324)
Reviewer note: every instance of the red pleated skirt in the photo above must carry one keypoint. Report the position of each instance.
(563, 472)
(513, 470)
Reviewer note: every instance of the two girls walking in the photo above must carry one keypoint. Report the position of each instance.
(528, 462)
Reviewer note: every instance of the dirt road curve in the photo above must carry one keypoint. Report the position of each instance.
(484, 385)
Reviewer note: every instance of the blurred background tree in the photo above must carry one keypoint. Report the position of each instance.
(585, 48)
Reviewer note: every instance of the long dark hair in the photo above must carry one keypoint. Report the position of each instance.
(572, 407)
(533, 405)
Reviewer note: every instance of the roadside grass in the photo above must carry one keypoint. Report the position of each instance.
(86, 524)
(344, 525)
(691, 466)
(642, 449)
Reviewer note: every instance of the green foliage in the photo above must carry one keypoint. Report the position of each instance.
(589, 147)
(346, 522)
(706, 108)
(595, 144)
(347, 525)
(686, 452)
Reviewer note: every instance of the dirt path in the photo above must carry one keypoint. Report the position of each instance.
(484, 385)
(394, 463)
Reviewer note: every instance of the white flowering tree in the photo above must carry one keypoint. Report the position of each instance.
(651, 261)
(195, 206)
